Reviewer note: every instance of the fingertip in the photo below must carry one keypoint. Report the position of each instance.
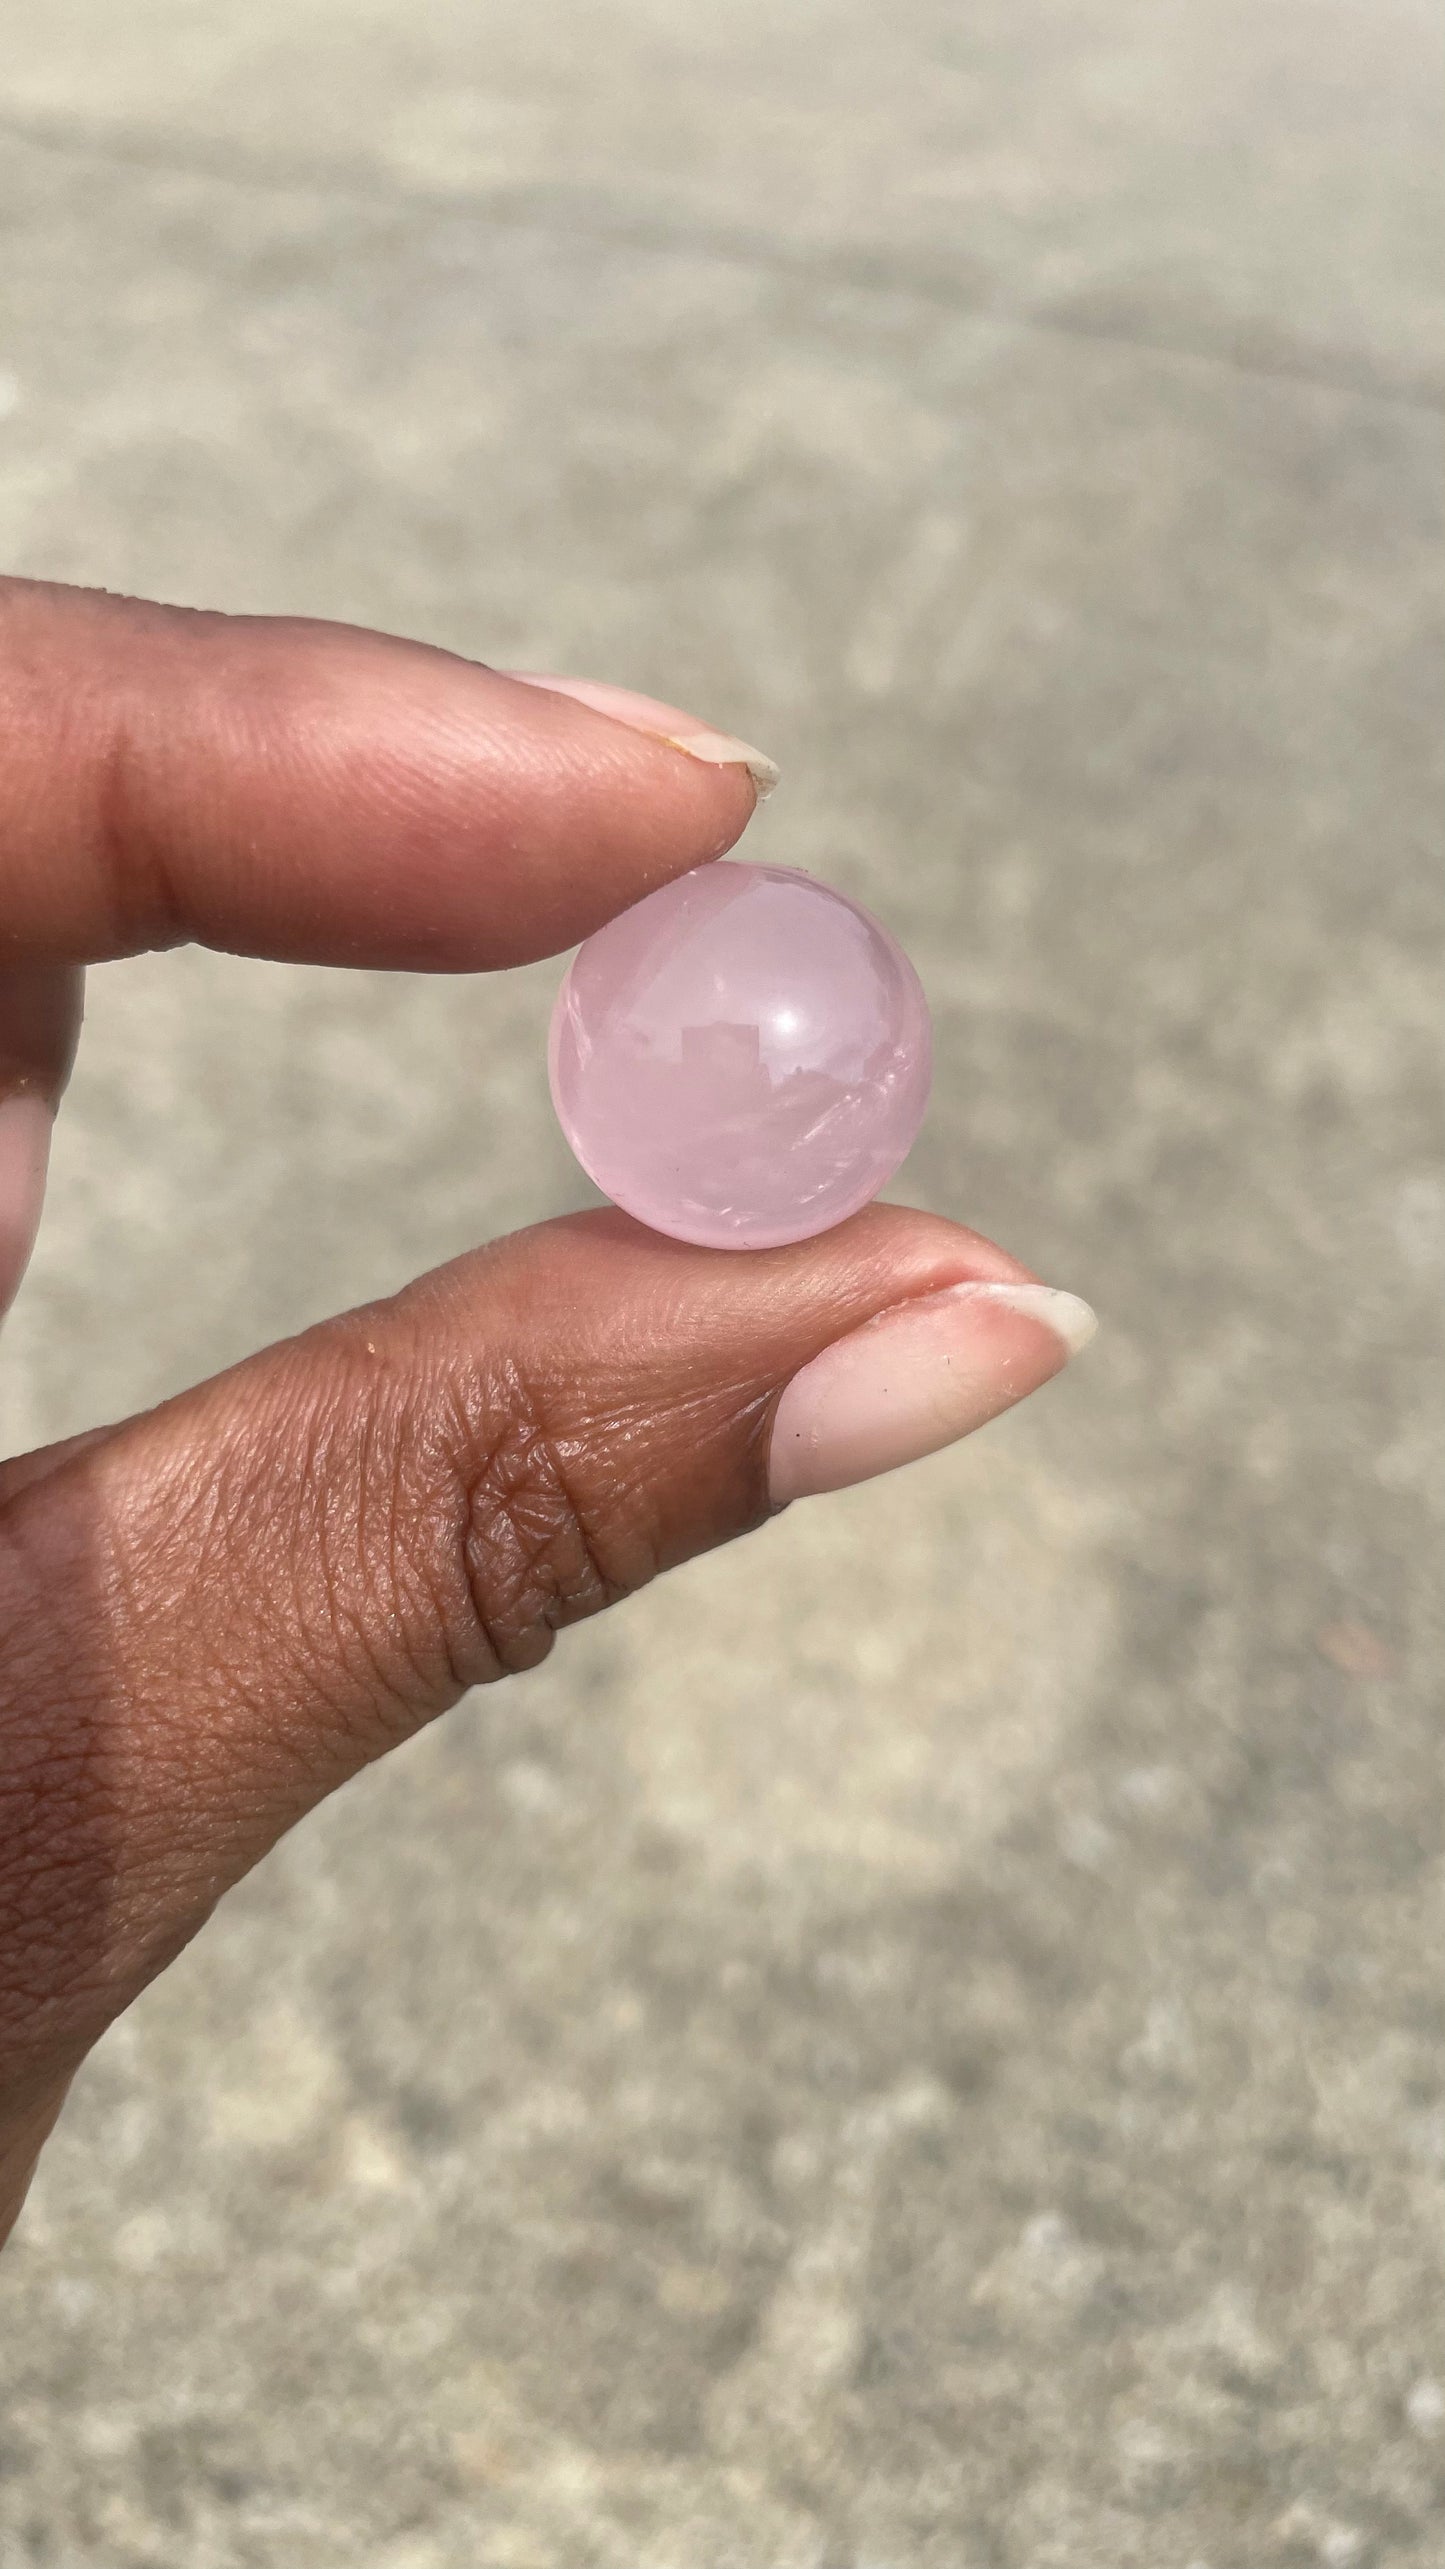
(917, 1377)
(659, 721)
(319, 793)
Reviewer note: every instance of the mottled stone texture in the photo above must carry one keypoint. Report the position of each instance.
(920, 2043)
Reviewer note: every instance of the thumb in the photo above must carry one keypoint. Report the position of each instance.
(216, 1613)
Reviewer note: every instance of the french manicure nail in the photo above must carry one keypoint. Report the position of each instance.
(662, 722)
(918, 1377)
(26, 1121)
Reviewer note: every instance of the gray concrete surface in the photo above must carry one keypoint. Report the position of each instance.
(920, 2043)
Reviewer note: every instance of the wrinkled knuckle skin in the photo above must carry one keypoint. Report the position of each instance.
(219, 1630)
(536, 1555)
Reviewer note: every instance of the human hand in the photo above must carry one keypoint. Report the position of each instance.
(212, 1615)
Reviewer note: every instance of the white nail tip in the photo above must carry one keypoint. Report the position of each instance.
(1070, 1318)
(648, 714)
(716, 749)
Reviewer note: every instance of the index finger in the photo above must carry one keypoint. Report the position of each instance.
(324, 794)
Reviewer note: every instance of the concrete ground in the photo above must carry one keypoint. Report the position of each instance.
(920, 2043)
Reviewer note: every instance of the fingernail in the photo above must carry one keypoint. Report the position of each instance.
(916, 1378)
(662, 722)
(26, 1122)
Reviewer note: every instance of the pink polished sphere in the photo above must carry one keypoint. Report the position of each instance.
(741, 1059)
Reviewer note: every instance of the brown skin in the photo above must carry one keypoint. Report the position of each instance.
(212, 1615)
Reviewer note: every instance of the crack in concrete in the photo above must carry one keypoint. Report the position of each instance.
(848, 267)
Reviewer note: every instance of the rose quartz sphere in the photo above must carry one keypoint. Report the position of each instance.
(741, 1059)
